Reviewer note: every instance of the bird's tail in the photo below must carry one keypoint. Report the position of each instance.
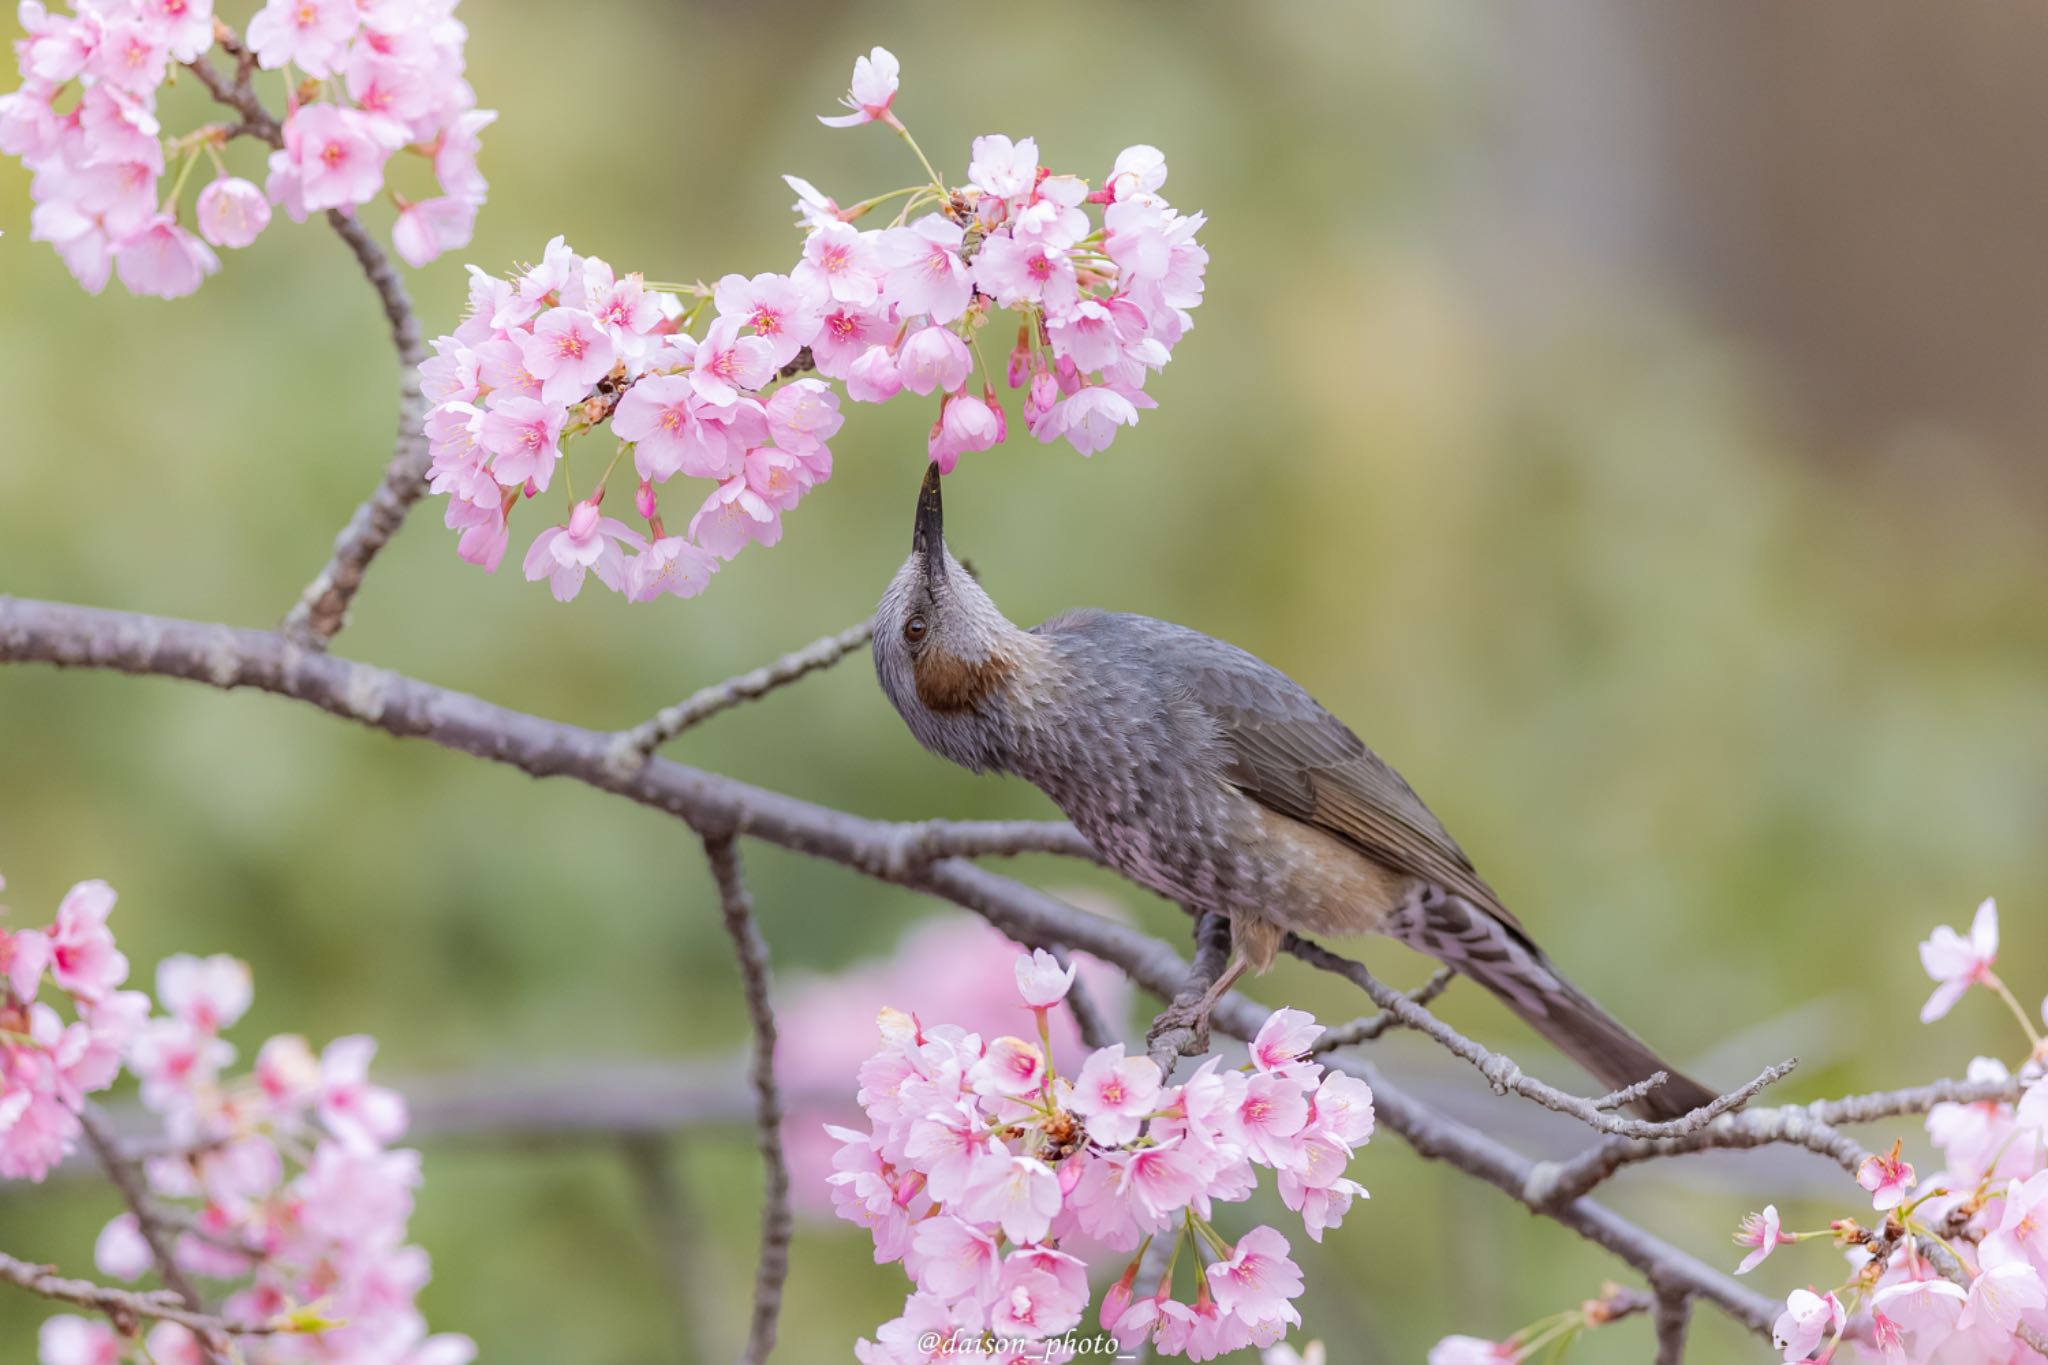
(1499, 957)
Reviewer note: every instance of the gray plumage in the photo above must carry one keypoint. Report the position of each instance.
(1208, 775)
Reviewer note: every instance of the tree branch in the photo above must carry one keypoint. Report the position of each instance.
(643, 739)
(124, 1306)
(322, 609)
(1095, 1029)
(1180, 1030)
(777, 1225)
(1373, 1025)
(155, 1231)
(1505, 1075)
(1673, 1311)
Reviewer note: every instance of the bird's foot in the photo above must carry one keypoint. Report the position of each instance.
(1181, 1030)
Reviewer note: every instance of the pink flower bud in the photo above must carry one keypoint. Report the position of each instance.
(874, 377)
(583, 520)
(644, 501)
(1020, 358)
(232, 212)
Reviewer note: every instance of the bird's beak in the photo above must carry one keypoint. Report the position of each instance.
(928, 539)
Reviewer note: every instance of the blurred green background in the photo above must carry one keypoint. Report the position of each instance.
(1626, 416)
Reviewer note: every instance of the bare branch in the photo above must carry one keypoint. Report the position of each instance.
(1182, 1029)
(664, 1208)
(777, 1224)
(643, 739)
(126, 1307)
(1553, 1183)
(322, 609)
(1505, 1075)
(1373, 1025)
(1674, 1310)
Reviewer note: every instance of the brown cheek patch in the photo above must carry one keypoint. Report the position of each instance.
(946, 682)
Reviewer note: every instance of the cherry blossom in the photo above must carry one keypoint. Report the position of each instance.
(1887, 1178)
(871, 91)
(1957, 963)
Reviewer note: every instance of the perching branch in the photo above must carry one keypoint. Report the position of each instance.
(1371, 1026)
(1181, 1030)
(777, 1224)
(322, 609)
(1505, 1075)
(666, 724)
(1673, 1312)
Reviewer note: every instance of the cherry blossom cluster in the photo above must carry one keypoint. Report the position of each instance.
(702, 380)
(362, 81)
(1987, 1204)
(1987, 1207)
(282, 1180)
(950, 967)
(984, 1169)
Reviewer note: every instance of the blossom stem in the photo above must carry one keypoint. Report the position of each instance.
(2012, 1003)
(178, 185)
(853, 211)
(923, 160)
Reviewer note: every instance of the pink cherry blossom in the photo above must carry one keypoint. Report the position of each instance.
(780, 310)
(957, 1260)
(871, 91)
(524, 435)
(164, 261)
(1014, 270)
(70, 1340)
(1887, 1178)
(728, 362)
(1041, 980)
(1472, 1351)
(568, 352)
(1957, 963)
(1998, 1297)
(209, 993)
(840, 264)
(232, 212)
(924, 272)
(734, 516)
(307, 34)
(1760, 1232)
(338, 154)
(1011, 1067)
(1808, 1320)
(1019, 1192)
(121, 1250)
(670, 565)
(590, 542)
(424, 230)
(875, 377)
(1258, 1282)
(966, 423)
(83, 958)
(933, 358)
(1005, 169)
(1113, 1094)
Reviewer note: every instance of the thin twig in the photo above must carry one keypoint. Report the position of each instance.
(648, 1162)
(1505, 1075)
(322, 609)
(777, 1225)
(127, 1178)
(644, 738)
(1373, 1025)
(1179, 1030)
(126, 1307)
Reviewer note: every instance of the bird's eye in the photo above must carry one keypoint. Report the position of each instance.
(913, 629)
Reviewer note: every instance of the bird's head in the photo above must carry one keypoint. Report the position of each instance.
(945, 654)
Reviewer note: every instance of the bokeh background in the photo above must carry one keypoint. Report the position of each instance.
(1627, 416)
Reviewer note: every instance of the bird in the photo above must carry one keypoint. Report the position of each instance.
(1209, 776)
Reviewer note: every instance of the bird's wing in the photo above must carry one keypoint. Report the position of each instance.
(1286, 752)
